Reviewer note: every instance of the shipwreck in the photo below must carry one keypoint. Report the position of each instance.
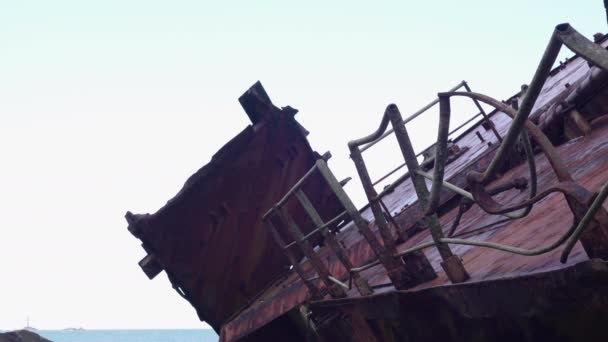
(497, 232)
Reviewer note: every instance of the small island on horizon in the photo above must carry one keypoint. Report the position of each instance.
(73, 329)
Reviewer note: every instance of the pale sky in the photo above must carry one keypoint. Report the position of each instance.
(108, 106)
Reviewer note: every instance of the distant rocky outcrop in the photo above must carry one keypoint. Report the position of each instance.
(22, 336)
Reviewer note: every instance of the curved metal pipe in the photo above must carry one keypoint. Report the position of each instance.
(493, 245)
(559, 167)
(372, 137)
(533, 178)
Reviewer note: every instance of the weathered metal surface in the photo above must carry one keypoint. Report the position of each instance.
(209, 238)
(586, 159)
(570, 304)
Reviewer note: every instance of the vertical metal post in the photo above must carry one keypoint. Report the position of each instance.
(451, 263)
(293, 229)
(314, 291)
(372, 197)
(361, 284)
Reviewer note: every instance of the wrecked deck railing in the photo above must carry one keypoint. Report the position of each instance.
(585, 206)
(396, 269)
(463, 84)
(279, 213)
(588, 213)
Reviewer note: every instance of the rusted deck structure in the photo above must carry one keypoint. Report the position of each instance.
(496, 232)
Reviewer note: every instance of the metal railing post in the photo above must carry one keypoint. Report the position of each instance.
(451, 264)
(360, 283)
(314, 291)
(372, 197)
(295, 232)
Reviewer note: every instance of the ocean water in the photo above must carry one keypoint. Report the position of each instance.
(168, 335)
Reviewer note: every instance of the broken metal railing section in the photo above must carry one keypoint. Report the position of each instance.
(421, 111)
(451, 263)
(585, 206)
(279, 213)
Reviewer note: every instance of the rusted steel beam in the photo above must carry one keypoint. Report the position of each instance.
(360, 283)
(295, 232)
(451, 263)
(314, 291)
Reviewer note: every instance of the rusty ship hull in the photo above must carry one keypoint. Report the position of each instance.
(496, 232)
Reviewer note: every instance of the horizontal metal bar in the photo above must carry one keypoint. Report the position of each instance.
(365, 267)
(421, 152)
(291, 191)
(395, 170)
(313, 232)
(341, 284)
(333, 279)
(388, 174)
(447, 185)
(411, 117)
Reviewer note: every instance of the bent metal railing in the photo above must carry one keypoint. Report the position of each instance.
(586, 206)
(368, 143)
